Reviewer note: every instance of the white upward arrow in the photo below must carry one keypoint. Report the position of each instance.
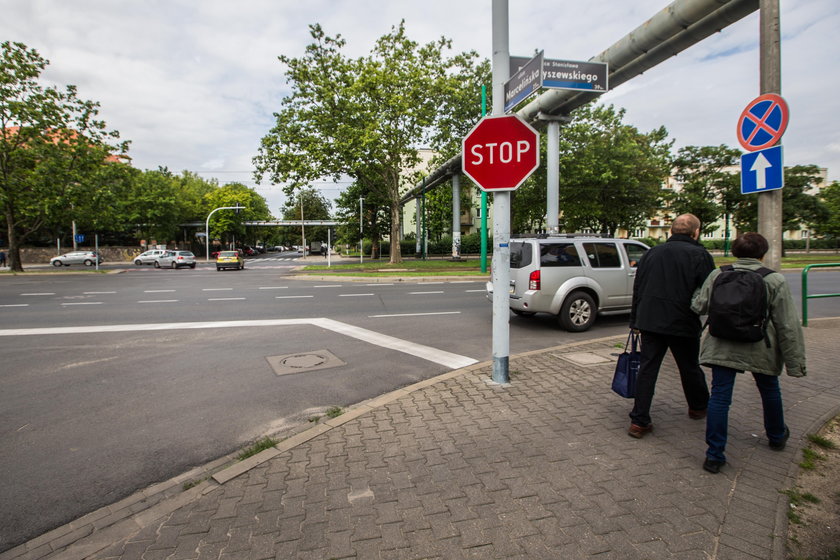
(760, 166)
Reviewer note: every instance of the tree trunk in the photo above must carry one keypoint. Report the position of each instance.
(396, 224)
(14, 244)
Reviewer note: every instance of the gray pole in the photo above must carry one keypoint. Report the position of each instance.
(418, 222)
(456, 216)
(501, 211)
(552, 187)
(770, 203)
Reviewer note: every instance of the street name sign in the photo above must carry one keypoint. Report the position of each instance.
(569, 74)
(524, 83)
(500, 152)
(762, 171)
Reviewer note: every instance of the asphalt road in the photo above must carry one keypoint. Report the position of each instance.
(112, 382)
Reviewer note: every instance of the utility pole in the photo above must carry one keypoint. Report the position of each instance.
(770, 203)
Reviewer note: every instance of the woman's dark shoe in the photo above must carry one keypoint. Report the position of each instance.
(780, 445)
(712, 466)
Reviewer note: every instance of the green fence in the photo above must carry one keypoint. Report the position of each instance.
(805, 296)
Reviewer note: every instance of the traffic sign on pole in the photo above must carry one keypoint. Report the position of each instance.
(500, 152)
(763, 122)
(762, 171)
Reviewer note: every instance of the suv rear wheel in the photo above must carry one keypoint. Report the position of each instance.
(578, 312)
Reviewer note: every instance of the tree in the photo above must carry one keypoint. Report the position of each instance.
(309, 204)
(51, 148)
(710, 188)
(830, 224)
(610, 173)
(362, 117)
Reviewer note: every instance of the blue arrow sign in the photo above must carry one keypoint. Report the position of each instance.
(762, 171)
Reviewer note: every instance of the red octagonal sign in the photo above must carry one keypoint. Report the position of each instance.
(500, 152)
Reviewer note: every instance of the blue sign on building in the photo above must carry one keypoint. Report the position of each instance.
(762, 171)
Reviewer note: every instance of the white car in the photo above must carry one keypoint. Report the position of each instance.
(87, 258)
(175, 259)
(149, 256)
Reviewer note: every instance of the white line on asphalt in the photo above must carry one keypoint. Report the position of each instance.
(158, 301)
(354, 295)
(328, 286)
(416, 314)
(157, 291)
(216, 289)
(225, 299)
(471, 291)
(273, 288)
(435, 355)
(40, 294)
(422, 293)
(291, 297)
(15, 305)
(97, 293)
(83, 303)
(383, 284)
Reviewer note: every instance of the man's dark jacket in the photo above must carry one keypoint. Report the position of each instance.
(667, 277)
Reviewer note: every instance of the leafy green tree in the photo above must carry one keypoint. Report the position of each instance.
(227, 224)
(830, 224)
(309, 204)
(798, 205)
(610, 173)
(361, 117)
(52, 148)
(710, 188)
(375, 217)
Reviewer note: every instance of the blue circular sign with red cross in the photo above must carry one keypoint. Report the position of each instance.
(763, 122)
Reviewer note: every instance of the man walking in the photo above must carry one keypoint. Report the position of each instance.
(667, 277)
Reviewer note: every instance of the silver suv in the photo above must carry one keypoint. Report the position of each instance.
(175, 259)
(575, 278)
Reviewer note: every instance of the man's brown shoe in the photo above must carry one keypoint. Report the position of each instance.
(639, 432)
(696, 414)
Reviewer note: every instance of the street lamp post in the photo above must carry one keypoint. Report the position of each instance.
(207, 227)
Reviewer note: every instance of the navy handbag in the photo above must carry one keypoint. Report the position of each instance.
(627, 367)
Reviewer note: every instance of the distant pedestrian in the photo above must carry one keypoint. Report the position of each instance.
(666, 278)
(783, 346)
(2, 259)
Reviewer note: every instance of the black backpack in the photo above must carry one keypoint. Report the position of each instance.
(738, 305)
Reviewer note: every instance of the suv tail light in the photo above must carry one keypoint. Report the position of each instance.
(534, 280)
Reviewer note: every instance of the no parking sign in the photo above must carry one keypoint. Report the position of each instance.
(763, 122)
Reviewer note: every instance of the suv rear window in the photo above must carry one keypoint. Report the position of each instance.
(520, 254)
(558, 254)
(602, 255)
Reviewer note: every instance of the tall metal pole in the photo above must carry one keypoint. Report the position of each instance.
(483, 229)
(456, 217)
(207, 227)
(770, 203)
(361, 230)
(501, 207)
(302, 228)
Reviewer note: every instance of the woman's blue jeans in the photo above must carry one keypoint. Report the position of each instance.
(717, 421)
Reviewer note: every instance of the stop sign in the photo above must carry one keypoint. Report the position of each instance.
(500, 152)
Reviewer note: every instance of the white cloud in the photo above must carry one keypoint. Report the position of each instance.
(193, 84)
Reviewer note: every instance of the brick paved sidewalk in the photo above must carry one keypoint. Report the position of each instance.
(459, 467)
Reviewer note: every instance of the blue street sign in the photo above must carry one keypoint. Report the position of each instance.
(80, 238)
(762, 171)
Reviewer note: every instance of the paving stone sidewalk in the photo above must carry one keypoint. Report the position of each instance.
(460, 467)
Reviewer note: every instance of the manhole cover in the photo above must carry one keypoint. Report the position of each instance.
(303, 361)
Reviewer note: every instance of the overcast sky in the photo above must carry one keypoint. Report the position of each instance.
(193, 83)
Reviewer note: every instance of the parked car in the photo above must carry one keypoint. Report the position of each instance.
(573, 277)
(230, 259)
(87, 258)
(175, 259)
(149, 257)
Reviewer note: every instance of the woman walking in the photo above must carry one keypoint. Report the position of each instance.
(782, 347)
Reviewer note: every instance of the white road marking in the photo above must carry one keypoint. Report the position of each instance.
(217, 289)
(354, 295)
(97, 293)
(40, 294)
(273, 288)
(328, 286)
(15, 305)
(291, 297)
(158, 301)
(448, 359)
(471, 291)
(416, 314)
(157, 291)
(83, 303)
(423, 293)
(225, 299)
(383, 284)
